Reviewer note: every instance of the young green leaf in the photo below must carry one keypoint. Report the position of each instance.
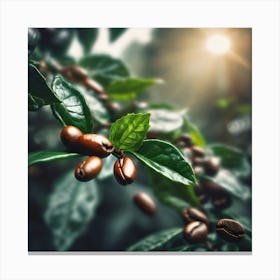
(115, 33)
(73, 109)
(128, 89)
(176, 195)
(70, 208)
(129, 132)
(38, 88)
(159, 241)
(197, 137)
(47, 156)
(167, 160)
(87, 37)
(104, 68)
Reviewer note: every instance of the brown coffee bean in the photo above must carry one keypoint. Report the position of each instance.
(95, 144)
(193, 214)
(74, 73)
(230, 230)
(93, 85)
(69, 136)
(221, 200)
(145, 203)
(198, 170)
(125, 170)
(197, 151)
(211, 187)
(186, 139)
(88, 169)
(195, 231)
(211, 166)
(198, 161)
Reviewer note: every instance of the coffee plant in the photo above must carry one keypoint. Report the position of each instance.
(105, 136)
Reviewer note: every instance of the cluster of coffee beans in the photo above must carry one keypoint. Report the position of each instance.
(203, 165)
(96, 146)
(197, 227)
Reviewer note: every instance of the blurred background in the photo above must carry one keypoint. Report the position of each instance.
(204, 70)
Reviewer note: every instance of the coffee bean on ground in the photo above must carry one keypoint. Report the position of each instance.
(230, 230)
(145, 203)
(195, 231)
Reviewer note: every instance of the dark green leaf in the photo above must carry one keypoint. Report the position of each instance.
(35, 103)
(115, 33)
(33, 38)
(46, 156)
(97, 108)
(232, 158)
(38, 88)
(166, 121)
(104, 68)
(159, 241)
(167, 160)
(128, 89)
(229, 182)
(87, 37)
(129, 132)
(73, 109)
(176, 195)
(70, 208)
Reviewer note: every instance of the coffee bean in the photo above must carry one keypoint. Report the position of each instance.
(211, 187)
(211, 166)
(186, 139)
(125, 170)
(69, 136)
(194, 214)
(95, 144)
(221, 200)
(230, 230)
(197, 151)
(74, 73)
(145, 203)
(88, 169)
(197, 161)
(195, 231)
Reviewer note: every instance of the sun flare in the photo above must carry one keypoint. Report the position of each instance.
(218, 44)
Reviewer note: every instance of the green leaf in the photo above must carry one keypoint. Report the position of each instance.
(73, 109)
(129, 132)
(159, 241)
(87, 37)
(35, 103)
(167, 160)
(197, 137)
(232, 158)
(176, 195)
(166, 121)
(38, 88)
(47, 156)
(97, 108)
(104, 68)
(128, 89)
(229, 182)
(70, 208)
(115, 33)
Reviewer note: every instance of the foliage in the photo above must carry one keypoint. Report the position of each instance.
(71, 205)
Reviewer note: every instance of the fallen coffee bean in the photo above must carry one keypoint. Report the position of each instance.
(88, 169)
(193, 214)
(125, 170)
(145, 203)
(95, 144)
(69, 136)
(195, 231)
(197, 151)
(211, 166)
(230, 230)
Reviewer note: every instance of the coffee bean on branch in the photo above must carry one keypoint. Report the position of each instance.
(230, 230)
(125, 170)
